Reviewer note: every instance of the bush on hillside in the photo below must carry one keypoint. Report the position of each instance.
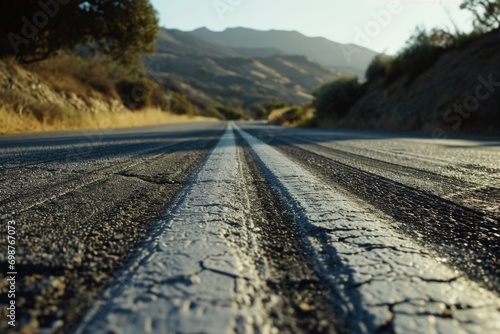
(419, 54)
(293, 114)
(135, 93)
(69, 73)
(72, 74)
(273, 105)
(333, 100)
(379, 66)
(257, 111)
(289, 116)
(158, 99)
(421, 51)
(230, 113)
(213, 112)
(180, 105)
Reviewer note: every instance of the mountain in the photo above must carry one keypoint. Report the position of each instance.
(179, 42)
(341, 57)
(241, 77)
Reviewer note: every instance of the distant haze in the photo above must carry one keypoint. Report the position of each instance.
(347, 58)
(337, 20)
(251, 72)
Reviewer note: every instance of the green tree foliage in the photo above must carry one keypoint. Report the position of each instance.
(273, 105)
(180, 105)
(333, 100)
(257, 111)
(135, 93)
(486, 13)
(213, 112)
(421, 51)
(441, 38)
(424, 48)
(229, 113)
(379, 66)
(35, 29)
(291, 115)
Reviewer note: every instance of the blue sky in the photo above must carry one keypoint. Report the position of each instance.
(345, 21)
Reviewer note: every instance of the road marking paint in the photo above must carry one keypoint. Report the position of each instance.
(185, 279)
(380, 277)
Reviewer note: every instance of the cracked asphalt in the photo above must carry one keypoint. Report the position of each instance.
(250, 228)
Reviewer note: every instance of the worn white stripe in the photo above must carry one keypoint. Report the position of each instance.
(184, 280)
(380, 276)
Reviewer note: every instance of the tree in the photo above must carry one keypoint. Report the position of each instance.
(421, 51)
(33, 30)
(334, 100)
(379, 66)
(486, 13)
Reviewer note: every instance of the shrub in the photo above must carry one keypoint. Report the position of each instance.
(46, 113)
(288, 116)
(333, 100)
(135, 93)
(419, 54)
(230, 113)
(462, 39)
(258, 111)
(69, 73)
(293, 114)
(422, 50)
(159, 100)
(180, 105)
(379, 66)
(273, 105)
(225, 113)
(213, 112)
(441, 38)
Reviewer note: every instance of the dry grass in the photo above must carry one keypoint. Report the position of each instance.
(309, 118)
(65, 119)
(67, 85)
(276, 115)
(299, 118)
(67, 73)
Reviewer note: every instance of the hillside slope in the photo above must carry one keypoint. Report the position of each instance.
(179, 42)
(460, 93)
(213, 74)
(23, 88)
(316, 49)
(69, 92)
(242, 81)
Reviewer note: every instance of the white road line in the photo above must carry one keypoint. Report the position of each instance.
(186, 278)
(380, 276)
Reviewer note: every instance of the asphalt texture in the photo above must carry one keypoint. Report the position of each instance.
(250, 228)
(82, 203)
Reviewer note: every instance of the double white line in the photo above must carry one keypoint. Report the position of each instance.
(185, 278)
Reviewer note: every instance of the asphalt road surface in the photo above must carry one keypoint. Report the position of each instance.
(249, 228)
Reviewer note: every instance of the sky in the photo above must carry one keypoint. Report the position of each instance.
(381, 25)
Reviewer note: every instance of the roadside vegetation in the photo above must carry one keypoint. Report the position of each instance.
(65, 119)
(67, 91)
(334, 100)
(293, 116)
(83, 68)
(422, 50)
